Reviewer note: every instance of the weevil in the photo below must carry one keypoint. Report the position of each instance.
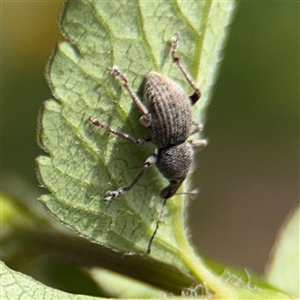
(167, 114)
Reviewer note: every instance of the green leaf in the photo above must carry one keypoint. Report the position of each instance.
(85, 162)
(283, 270)
(119, 286)
(15, 285)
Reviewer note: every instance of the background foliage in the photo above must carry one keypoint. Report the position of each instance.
(248, 176)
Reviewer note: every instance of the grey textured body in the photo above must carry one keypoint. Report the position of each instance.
(174, 163)
(170, 110)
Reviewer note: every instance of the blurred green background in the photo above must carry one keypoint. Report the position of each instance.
(248, 176)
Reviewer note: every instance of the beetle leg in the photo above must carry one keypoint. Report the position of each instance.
(123, 135)
(174, 44)
(196, 127)
(198, 143)
(145, 120)
(110, 195)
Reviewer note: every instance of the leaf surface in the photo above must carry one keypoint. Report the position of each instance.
(84, 161)
(15, 285)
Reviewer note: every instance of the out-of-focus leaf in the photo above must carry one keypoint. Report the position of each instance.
(284, 266)
(15, 285)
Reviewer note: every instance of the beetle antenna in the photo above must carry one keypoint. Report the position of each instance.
(157, 225)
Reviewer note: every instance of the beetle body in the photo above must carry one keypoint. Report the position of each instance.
(171, 123)
(170, 110)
